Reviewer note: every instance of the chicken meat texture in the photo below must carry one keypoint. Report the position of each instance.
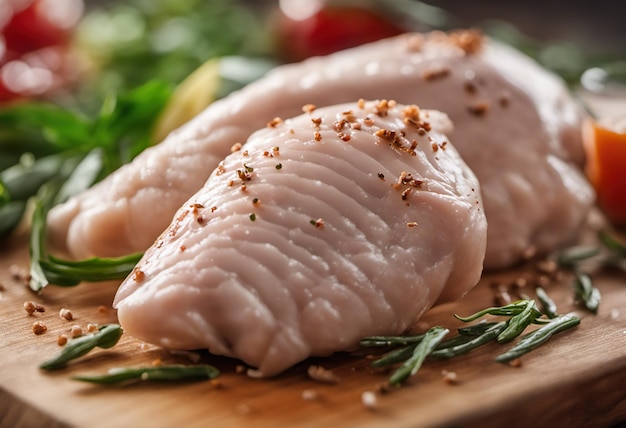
(515, 125)
(347, 221)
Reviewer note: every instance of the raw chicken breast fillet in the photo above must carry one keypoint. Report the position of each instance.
(515, 125)
(340, 223)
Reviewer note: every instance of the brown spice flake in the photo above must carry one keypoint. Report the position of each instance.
(30, 307)
(138, 275)
(479, 108)
(406, 193)
(274, 122)
(515, 363)
(182, 248)
(76, 331)
(195, 208)
(415, 43)
(470, 41)
(39, 328)
(276, 150)
(235, 147)
(407, 179)
(308, 108)
(360, 103)
(317, 122)
(368, 121)
(411, 112)
(381, 176)
(220, 168)
(66, 314)
(383, 106)
(92, 328)
(62, 340)
(320, 374)
(411, 224)
(504, 99)
(319, 223)
(435, 147)
(317, 136)
(470, 87)
(435, 73)
(449, 377)
(103, 310)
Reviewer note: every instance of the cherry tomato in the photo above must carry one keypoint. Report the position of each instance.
(330, 29)
(35, 36)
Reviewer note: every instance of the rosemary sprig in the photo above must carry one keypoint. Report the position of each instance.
(168, 373)
(430, 341)
(533, 340)
(412, 350)
(46, 269)
(106, 337)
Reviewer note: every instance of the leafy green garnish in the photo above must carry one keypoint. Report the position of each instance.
(412, 350)
(533, 340)
(422, 350)
(167, 373)
(586, 292)
(106, 337)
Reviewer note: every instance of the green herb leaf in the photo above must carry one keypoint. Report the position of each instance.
(519, 322)
(547, 304)
(612, 243)
(586, 292)
(488, 335)
(514, 308)
(374, 341)
(571, 257)
(106, 337)
(431, 339)
(169, 373)
(538, 337)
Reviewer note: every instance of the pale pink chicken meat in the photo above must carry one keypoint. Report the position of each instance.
(343, 222)
(515, 125)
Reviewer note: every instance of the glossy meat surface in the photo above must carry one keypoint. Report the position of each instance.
(343, 222)
(515, 125)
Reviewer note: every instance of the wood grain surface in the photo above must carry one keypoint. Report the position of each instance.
(577, 379)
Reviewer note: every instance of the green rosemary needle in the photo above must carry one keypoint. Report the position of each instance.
(532, 340)
(519, 322)
(377, 341)
(168, 373)
(586, 293)
(106, 337)
(511, 309)
(571, 257)
(487, 336)
(547, 304)
(431, 339)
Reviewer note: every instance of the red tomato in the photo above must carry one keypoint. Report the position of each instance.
(34, 39)
(330, 29)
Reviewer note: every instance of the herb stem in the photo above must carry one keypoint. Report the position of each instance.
(533, 340)
(431, 339)
(106, 337)
(168, 373)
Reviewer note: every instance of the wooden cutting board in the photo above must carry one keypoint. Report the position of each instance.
(577, 379)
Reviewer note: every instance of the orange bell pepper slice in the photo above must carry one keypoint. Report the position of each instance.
(605, 146)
